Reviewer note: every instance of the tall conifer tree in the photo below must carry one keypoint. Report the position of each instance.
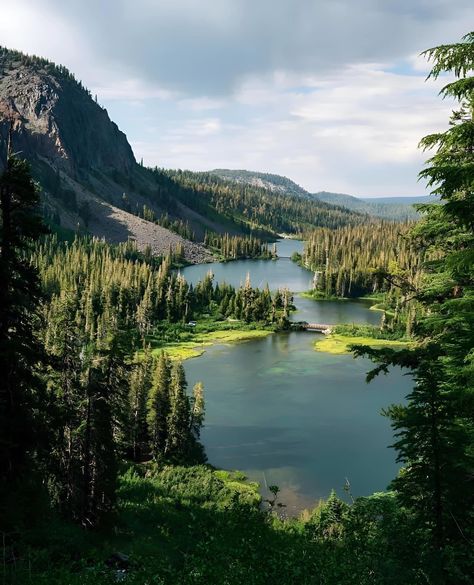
(179, 436)
(140, 384)
(158, 407)
(22, 399)
(435, 429)
(197, 410)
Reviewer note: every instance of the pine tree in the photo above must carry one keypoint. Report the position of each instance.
(179, 437)
(22, 398)
(65, 342)
(158, 407)
(327, 518)
(89, 378)
(197, 410)
(140, 385)
(435, 429)
(144, 310)
(100, 461)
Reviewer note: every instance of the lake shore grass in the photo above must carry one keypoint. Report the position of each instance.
(382, 308)
(195, 347)
(315, 295)
(185, 525)
(339, 344)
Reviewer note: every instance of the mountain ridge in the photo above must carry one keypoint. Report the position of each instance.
(395, 208)
(270, 181)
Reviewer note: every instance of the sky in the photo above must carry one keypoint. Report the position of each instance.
(330, 93)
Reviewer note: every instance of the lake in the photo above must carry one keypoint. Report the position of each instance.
(289, 416)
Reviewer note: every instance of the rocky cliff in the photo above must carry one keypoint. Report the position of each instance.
(83, 162)
(54, 116)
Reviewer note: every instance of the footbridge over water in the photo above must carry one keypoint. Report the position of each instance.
(316, 327)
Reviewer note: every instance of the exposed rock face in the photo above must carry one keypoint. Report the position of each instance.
(121, 225)
(55, 117)
(79, 155)
(268, 181)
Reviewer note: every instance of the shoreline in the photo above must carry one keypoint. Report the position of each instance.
(338, 344)
(188, 349)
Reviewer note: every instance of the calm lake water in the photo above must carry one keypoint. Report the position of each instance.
(287, 415)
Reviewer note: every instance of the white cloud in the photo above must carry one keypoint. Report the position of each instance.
(328, 93)
(354, 131)
(134, 90)
(209, 47)
(201, 104)
(27, 27)
(373, 113)
(197, 128)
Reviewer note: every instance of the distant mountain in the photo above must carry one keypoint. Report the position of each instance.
(394, 208)
(264, 208)
(275, 183)
(402, 200)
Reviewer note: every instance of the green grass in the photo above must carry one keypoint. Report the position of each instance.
(339, 344)
(383, 308)
(197, 526)
(378, 296)
(194, 347)
(316, 295)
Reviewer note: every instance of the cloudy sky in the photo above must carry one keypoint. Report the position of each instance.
(330, 93)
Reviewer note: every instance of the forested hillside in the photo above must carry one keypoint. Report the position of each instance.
(78, 322)
(396, 208)
(371, 260)
(393, 208)
(255, 206)
(269, 181)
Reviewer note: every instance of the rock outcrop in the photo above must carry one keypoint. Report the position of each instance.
(54, 116)
(80, 157)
